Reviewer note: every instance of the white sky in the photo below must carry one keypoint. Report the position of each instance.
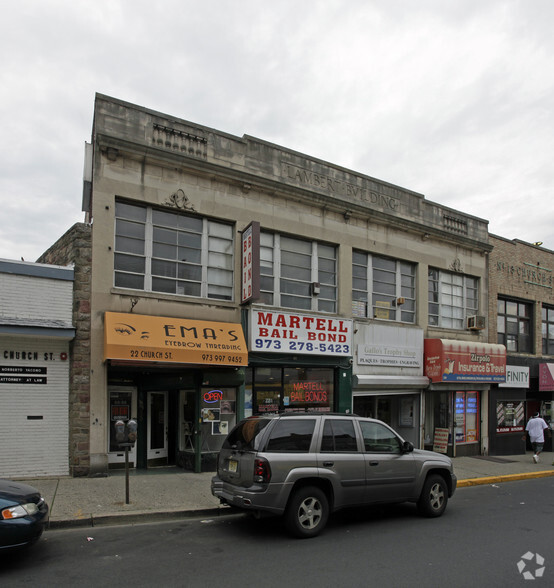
(450, 98)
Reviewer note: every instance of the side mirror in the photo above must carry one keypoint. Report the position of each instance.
(407, 447)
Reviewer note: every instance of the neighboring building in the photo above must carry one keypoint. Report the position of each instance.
(231, 276)
(36, 331)
(521, 306)
(74, 249)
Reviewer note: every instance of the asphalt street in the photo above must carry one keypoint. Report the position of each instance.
(489, 536)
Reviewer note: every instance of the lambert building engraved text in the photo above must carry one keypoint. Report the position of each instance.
(338, 187)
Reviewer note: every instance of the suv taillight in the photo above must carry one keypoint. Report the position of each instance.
(262, 471)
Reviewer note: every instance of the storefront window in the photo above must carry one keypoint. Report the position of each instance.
(218, 409)
(308, 389)
(268, 388)
(291, 389)
(467, 417)
(510, 416)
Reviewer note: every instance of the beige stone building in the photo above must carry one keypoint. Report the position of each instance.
(231, 276)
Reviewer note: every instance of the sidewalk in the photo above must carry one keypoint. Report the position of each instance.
(172, 492)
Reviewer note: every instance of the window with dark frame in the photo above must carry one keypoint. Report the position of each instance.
(514, 325)
(548, 330)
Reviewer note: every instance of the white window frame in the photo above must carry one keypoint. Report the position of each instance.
(451, 286)
(319, 297)
(205, 285)
(395, 312)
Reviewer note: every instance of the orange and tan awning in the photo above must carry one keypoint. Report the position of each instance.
(142, 338)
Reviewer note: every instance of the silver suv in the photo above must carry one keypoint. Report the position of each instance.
(307, 465)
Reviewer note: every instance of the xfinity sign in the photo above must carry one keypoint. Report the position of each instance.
(516, 377)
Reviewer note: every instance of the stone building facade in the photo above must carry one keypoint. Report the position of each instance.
(222, 276)
(74, 248)
(302, 284)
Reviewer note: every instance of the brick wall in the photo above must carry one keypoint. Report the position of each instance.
(523, 272)
(75, 247)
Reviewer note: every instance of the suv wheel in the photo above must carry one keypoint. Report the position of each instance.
(307, 512)
(434, 496)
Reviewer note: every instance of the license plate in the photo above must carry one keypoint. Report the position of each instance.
(233, 466)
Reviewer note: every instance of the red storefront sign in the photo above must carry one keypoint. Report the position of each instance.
(464, 361)
(546, 377)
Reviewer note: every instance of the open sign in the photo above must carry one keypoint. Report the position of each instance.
(213, 396)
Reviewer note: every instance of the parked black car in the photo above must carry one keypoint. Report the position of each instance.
(23, 514)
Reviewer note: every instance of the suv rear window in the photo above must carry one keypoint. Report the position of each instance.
(291, 435)
(246, 434)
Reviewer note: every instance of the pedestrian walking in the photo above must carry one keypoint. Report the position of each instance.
(536, 428)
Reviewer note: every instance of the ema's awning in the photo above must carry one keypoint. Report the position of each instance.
(142, 338)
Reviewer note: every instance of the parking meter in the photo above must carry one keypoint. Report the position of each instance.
(126, 432)
(125, 436)
(132, 431)
(120, 432)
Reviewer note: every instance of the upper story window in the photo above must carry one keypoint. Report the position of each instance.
(547, 330)
(377, 285)
(162, 251)
(298, 274)
(514, 325)
(452, 298)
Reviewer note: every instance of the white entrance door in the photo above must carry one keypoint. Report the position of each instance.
(157, 427)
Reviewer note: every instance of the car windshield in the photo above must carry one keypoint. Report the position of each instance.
(246, 434)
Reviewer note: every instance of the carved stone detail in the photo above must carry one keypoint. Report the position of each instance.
(456, 266)
(179, 200)
(181, 141)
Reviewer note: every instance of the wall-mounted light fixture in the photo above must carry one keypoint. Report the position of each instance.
(347, 214)
(425, 236)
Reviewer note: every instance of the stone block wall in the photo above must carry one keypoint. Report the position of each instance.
(75, 247)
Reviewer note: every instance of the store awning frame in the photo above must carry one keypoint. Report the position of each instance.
(364, 382)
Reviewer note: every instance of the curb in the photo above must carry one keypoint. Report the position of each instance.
(137, 518)
(504, 478)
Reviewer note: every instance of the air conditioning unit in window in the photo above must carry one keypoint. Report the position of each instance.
(476, 323)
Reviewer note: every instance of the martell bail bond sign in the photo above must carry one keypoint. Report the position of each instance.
(282, 332)
(141, 338)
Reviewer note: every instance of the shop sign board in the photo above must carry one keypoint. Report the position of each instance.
(141, 338)
(283, 332)
(389, 346)
(250, 263)
(517, 376)
(546, 377)
(464, 361)
(440, 441)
